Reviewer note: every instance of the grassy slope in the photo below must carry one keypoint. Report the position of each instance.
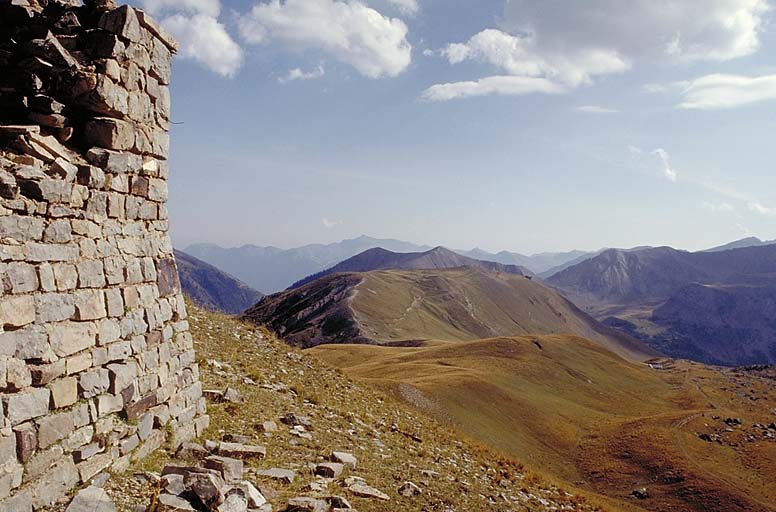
(567, 407)
(346, 416)
(468, 304)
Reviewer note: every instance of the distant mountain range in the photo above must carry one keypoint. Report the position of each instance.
(740, 244)
(713, 306)
(271, 269)
(436, 258)
(213, 289)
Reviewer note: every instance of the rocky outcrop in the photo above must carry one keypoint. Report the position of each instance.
(96, 359)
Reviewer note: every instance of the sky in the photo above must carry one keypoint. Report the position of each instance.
(521, 125)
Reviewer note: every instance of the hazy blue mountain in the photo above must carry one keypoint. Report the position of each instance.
(751, 241)
(271, 269)
(537, 263)
(213, 289)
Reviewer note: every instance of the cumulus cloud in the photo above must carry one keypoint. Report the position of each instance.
(668, 172)
(501, 85)
(205, 40)
(596, 109)
(573, 43)
(727, 91)
(357, 35)
(298, 74)
(757, 207)
(201, 36)
(522, 56)
(678, 30)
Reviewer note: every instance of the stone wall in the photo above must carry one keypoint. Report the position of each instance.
(96, 361)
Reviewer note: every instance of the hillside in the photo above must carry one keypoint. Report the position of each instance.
(674, 300)
(584, 415)
(213, 289)
(393, 442)
(382, 259)
(404, 306)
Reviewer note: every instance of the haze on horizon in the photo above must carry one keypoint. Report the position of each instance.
(520, 125)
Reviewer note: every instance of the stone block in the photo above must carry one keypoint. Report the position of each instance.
(39, 252)
(123, 22)
(90, 468)
(91, 499)
(90, 305)
(65, 276)
(94, 382)
(68, 338)
(64, 392)
(42, 374)
(54, 428)
(110, 133)
(26, 405)
(107, 404)
(91, 274)
(26, 441)
(19, 278)
(58, 231)
(54, 307)
(78, 363)
(16, 311)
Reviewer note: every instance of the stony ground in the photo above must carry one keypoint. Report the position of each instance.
(393, 443)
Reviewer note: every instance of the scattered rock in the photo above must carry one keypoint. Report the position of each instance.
(408, 489)
(305, 504)
(284, 475)
(293, 420)
(329, 469)
(344, 458)
(640, 494)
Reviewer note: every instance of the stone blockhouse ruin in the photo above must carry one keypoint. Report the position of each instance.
(97, 364)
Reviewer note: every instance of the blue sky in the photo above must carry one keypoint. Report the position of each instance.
(525, 125)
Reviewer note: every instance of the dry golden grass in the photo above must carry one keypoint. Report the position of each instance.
(569, 408)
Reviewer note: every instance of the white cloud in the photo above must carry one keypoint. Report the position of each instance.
(668, 172)
(718, 207)
(351, 32)
(635, 150)
(522, 56)
(757, 207)
(298, 74)
(573, 43)
(210, 7)
(501, 85)
(329, 224)
(596, 109)
(727, 91)
(677, 30)
(407, 7)
(205, 40)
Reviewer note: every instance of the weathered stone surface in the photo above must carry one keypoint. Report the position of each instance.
(329, 469)
(284, 475)
(242, 451)
(409, 489)
(345, 458)
(26, 405)
(26, 441)
(110, 133)
(16, 311)
(171, 503)
(68, 338)
(306, 504)
(207, 487)
(54, 484)
(64, 392)
(230, 469)
(91, 499)
(94, 382)
(54, 307)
